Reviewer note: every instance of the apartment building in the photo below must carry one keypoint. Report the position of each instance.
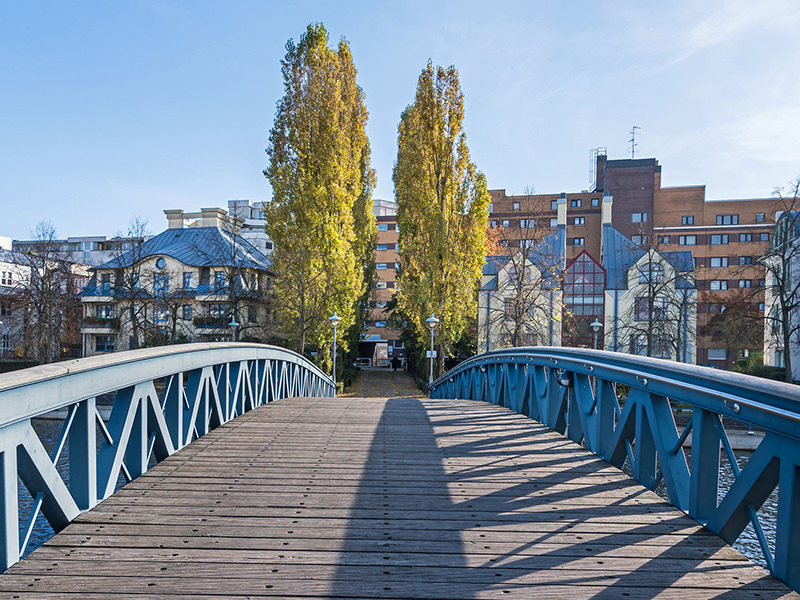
(200, 280)
(726, 237)
(381, 338)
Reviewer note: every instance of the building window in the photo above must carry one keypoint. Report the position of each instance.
(104, 343)
(508, 306)
(642, 309)
(161, 283)
(579, 241)
(381, 266)
(764, 237)
(576, 203)
(554, 222)
(719, 239)
(727, 219)
(380, 285)
(638, 239)
(104, 311)
(744, 283)
(386, 247)
(719, 261)
(639, 218)
(554, 205)
(187, 280)
(5, 343)
(760, 217)
(527, 223)
(186, 312)
(380, 303)
(385, 227)
(718, 284)
(5, 309)
(515, 206)
(491, 207)
(762, 283)
(579, 221)
(687, 240)
(595, 202)
(745, 237)
(380, 323)
(6, 278)
(218, 310)
(660, 349)
(687, 220)
(506, 223)
(651, 274)
(761, 306)
(745, 260)
(717, 354)
(663, 239)
(252, 314)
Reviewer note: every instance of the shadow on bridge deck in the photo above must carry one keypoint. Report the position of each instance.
(385, 498)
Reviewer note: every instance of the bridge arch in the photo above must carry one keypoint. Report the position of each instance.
(620, 407)
(163, 399)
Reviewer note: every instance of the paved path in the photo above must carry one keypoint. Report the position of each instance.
(383, 383)
(384, 498)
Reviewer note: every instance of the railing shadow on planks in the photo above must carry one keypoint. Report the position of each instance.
(620, 407)
(163, 399)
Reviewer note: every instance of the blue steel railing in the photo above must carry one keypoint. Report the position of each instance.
(164, 398)
(619, 407)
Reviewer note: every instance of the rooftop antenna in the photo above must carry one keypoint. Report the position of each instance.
(632, 141)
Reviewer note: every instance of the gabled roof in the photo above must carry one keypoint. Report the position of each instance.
(196, 247)
(547, 255)
(620, 254)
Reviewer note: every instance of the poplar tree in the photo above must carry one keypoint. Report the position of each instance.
(442, 210)
(320, 218)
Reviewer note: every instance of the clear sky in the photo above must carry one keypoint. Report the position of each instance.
(110, 110)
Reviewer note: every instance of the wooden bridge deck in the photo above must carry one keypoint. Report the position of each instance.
(385, 498)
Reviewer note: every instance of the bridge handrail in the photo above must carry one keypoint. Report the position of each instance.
(163, 399)
(575, 391)
(20, 400)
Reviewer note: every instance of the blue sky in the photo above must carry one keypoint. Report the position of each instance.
(111, 110)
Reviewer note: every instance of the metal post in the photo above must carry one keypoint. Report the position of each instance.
(334, 320)
(432, 322)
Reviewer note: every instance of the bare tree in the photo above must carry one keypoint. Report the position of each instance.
(240, 281)
(661, 319)
(50, 296)
(782, 265)
(133, 299)
(522, 307)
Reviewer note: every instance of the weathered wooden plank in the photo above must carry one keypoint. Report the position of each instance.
(385, 498)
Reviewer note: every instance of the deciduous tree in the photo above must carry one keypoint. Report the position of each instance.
(320, 217)
(442, 205)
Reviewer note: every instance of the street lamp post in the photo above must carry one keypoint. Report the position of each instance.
(233, 325)
(334, 320)
(596, 327)
(432, 323)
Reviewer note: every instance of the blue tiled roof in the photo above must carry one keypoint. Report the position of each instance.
(620, 254)
(197, 247)
(547, 255)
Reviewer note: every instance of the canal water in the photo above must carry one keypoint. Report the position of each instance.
(49, 431)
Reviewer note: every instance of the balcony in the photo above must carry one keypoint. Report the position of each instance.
(210, 322)
(99, 323)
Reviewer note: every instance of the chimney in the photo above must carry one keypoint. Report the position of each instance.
(213, 217)
(608, 203)
(561, 204)
(174, 218)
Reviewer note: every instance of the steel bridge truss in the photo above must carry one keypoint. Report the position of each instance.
(163, 399)
(620, 407)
